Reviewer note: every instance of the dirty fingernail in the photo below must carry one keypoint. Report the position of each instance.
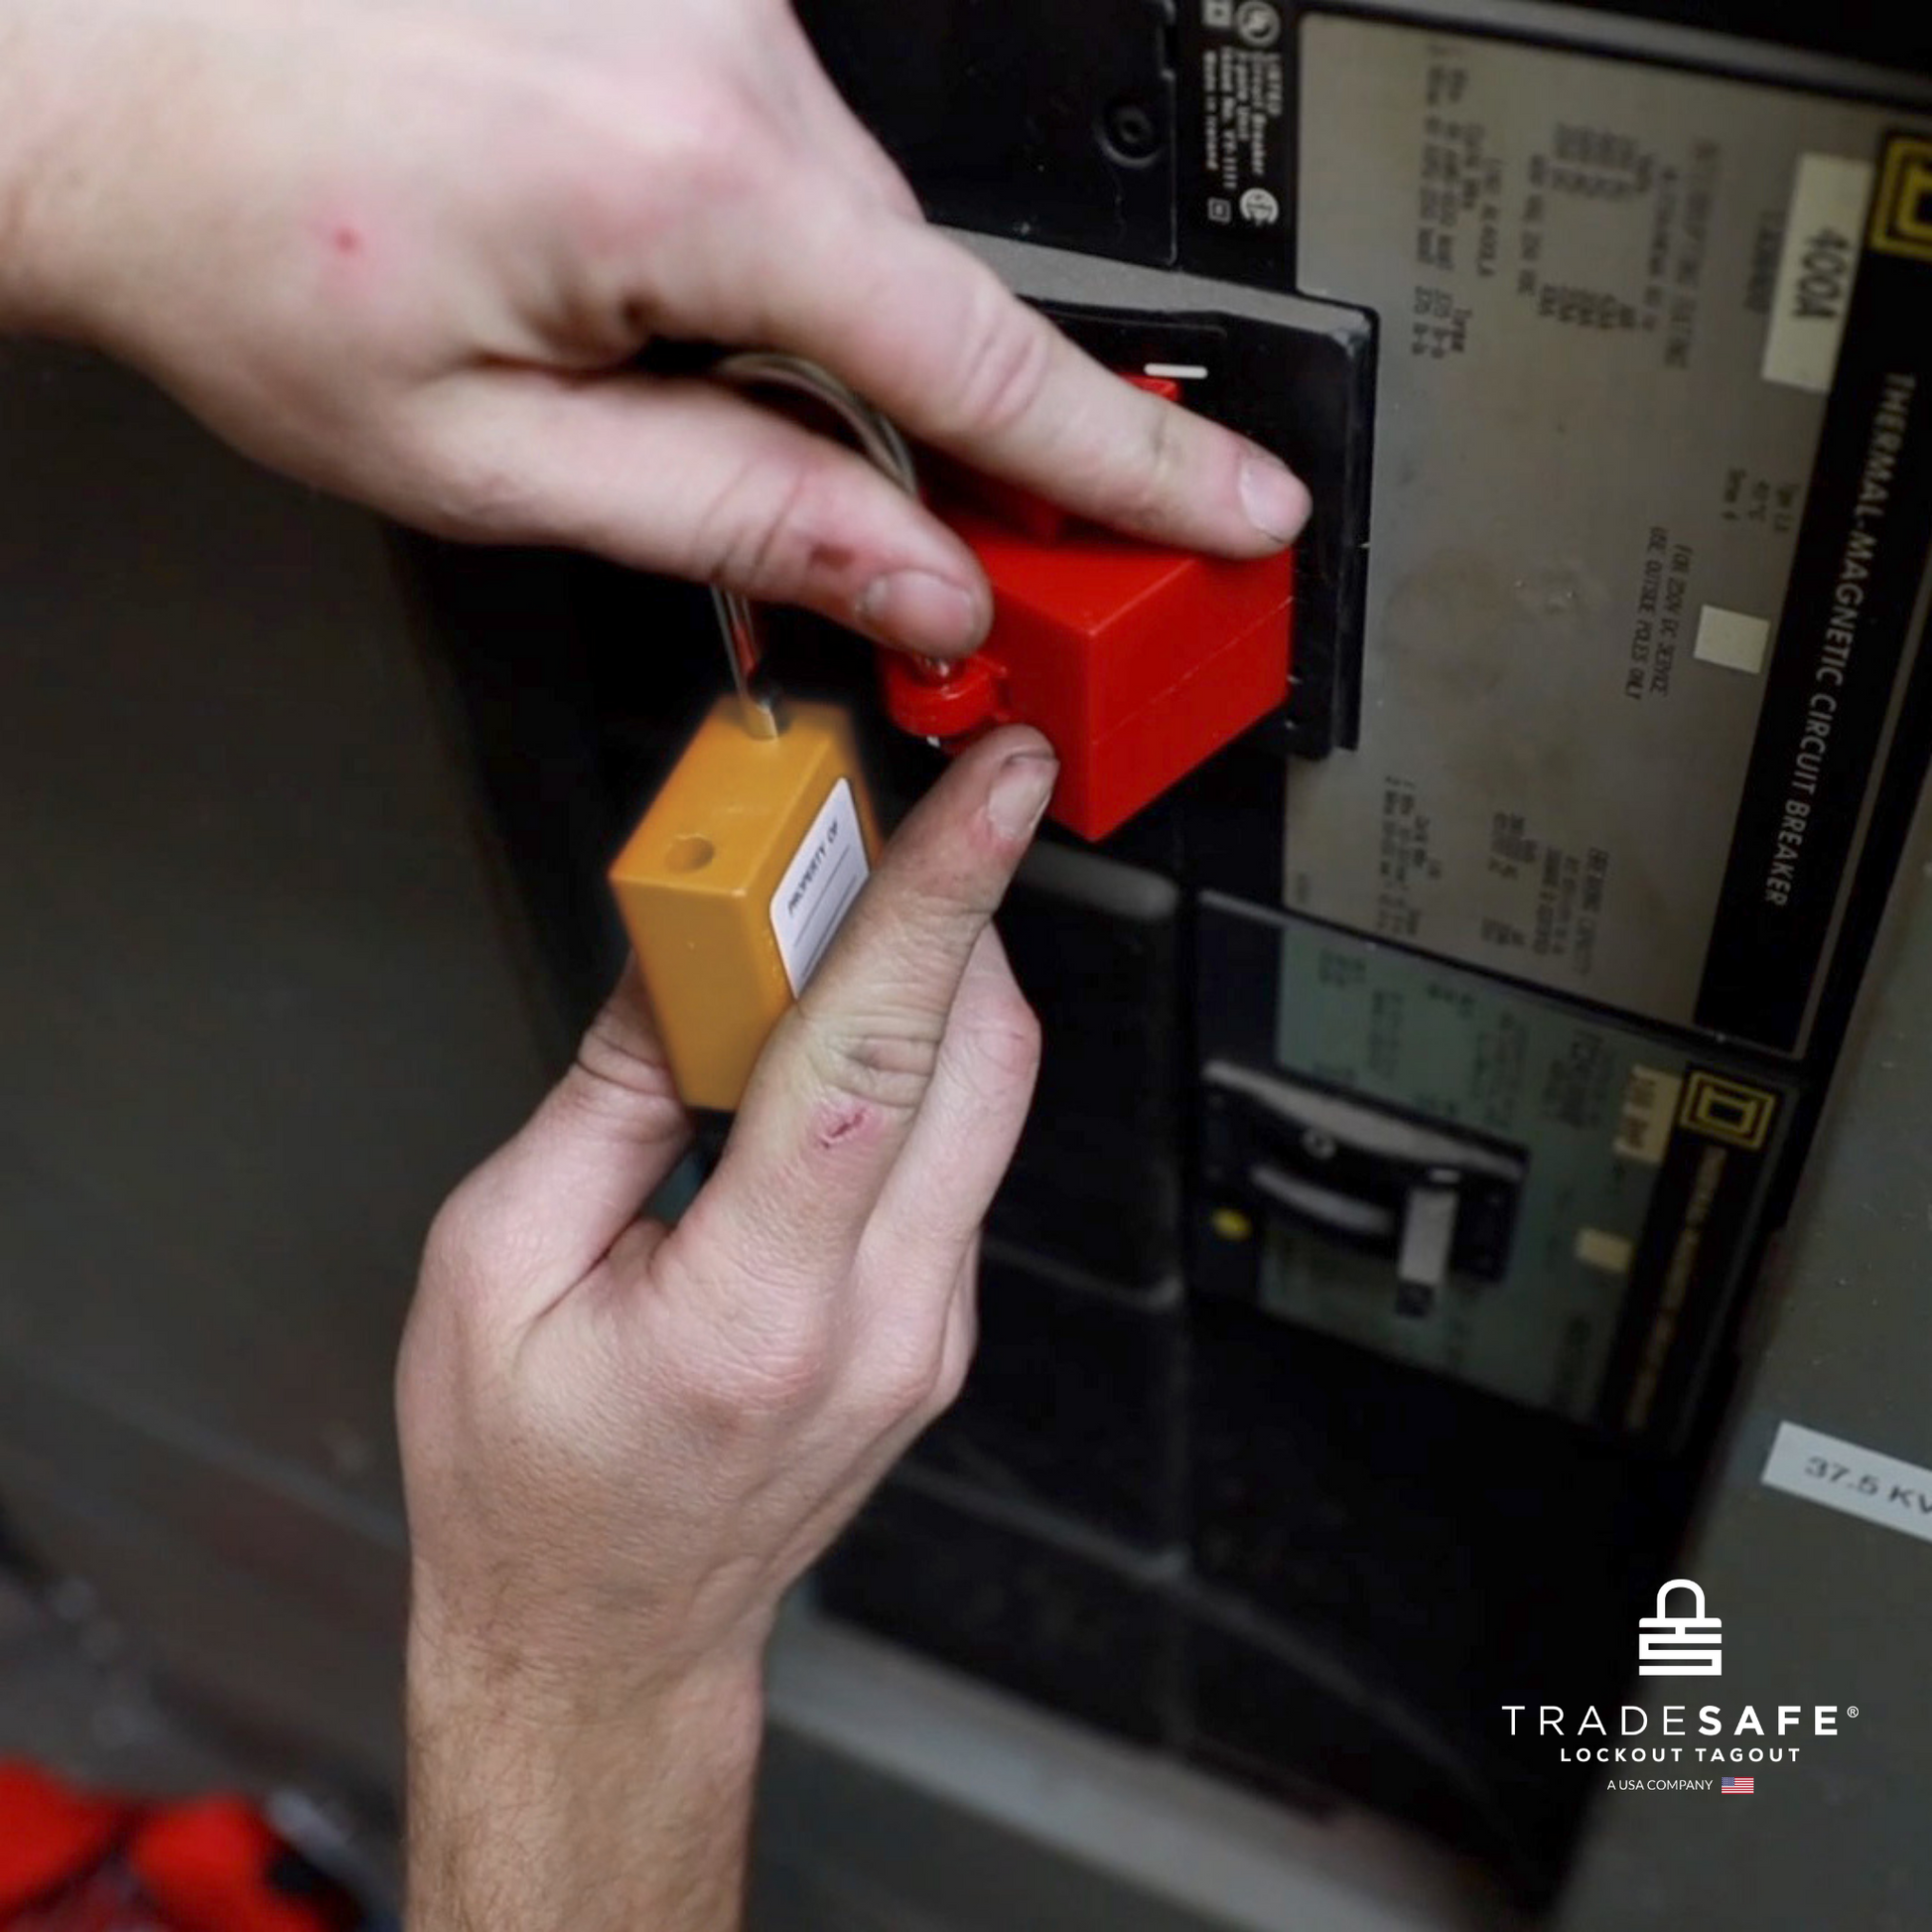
(925, 613)
(1276, 499)
(1019, 791)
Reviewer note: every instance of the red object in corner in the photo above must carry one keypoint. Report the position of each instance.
(1137, 662)
(71, 1861)
(211, 1866)
(50, 1837)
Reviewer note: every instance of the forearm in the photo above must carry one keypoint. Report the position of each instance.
(526, 1814)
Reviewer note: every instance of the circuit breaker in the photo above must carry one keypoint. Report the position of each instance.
(1426, 1074)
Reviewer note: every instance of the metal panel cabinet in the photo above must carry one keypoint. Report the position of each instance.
(260, 1004)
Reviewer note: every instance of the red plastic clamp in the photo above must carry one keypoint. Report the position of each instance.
(1137, 662)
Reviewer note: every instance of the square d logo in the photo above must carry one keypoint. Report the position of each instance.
(1728, 1111)
(1901, 213)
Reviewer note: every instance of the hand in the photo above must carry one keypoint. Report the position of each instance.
(405, 248)
(621, 1442)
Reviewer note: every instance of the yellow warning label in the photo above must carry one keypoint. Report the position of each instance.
(1901, 213)
(1728, 1111)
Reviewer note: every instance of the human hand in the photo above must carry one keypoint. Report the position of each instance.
(623, 1443)
(405, 249)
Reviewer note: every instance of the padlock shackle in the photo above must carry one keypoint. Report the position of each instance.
(1678, 1582)
(758, 697)
(880, 443)
(877, 435)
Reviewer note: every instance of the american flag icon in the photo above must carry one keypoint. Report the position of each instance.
(1739, 1788)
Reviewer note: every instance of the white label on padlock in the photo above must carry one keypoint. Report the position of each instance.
(1843, 1475)
(819, 885)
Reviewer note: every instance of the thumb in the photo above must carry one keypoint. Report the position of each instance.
(684, 477)
(846, 1074)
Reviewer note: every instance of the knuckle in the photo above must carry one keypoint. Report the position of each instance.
(882, 1062)
(1010, 1040)
(1147, 492)
(998, 1055)
(456, 1319)
(759, 531)
(664, 138)
(783, 1370)
(455, 1243)
(955, 1355)
(950, 1380)
(479, 1247)
(459, 485)
(1003, 366)
(615, 1058)
(900, 1385)
(712, 138)
(648, 164)
(960, 1343)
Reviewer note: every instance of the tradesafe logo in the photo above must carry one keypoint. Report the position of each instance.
(1680, 1646)
(1681, 1640)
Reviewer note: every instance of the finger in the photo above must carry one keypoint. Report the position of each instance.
(936, 339)
(962, 1143)
(548, 1207)
(842, 1078)
(686, 478)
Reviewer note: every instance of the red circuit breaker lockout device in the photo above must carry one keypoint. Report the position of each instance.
(1137, 662)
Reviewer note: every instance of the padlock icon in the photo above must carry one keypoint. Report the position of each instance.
(1680, 1646)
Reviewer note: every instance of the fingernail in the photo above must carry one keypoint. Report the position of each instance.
(1276, 499)
(1021, 790)
(925, 613)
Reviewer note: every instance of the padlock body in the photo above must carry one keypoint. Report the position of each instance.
(721, 948)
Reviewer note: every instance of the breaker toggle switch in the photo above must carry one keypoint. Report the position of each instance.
(1433, 1201)
(1137, 662)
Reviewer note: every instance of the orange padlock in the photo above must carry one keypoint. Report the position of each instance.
(736, 881)
(737, 878)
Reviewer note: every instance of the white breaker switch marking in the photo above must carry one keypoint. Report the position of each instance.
(1427, 1234)
(1732, 639)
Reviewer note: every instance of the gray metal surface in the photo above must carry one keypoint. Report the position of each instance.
(73, 1700)
(915, 1798)
(1592, 28)
(258, 1007)
(1818, 1606)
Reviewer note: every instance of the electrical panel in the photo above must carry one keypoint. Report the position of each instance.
(1426, 1076)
